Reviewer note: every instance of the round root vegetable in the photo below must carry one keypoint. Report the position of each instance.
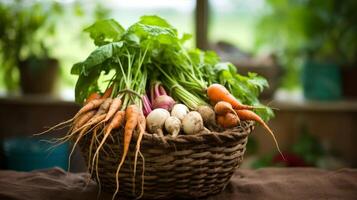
(156, 120)
(250, 115)
(217, 92)
(208, 115)
(192, 123)
(163, 101)
(179, 111)
(173, 126)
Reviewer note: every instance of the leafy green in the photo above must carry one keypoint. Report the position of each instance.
(85, 85)
(105, 31)
(97, 57)
(151, 50)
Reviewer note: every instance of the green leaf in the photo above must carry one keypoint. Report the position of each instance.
(257, 81)
(77, 68)
(154, 21)
(185, 37)
(97, 57)
(105, 31)
(225, 66)
(85, 85)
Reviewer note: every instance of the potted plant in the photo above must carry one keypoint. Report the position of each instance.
(26, 32)
(320, 36)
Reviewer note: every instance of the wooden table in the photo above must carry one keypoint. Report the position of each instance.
(268, 183)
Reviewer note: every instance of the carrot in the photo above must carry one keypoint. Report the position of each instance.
(95, 120)
(81, 120)
(94, 136)
(220, 120)
(115, 123)
(108, 92)
(114, 107)
(90, 106)
(104, 107)
(229, 120)
(141, 127)
(222, 108)
(250, 115)
(217, 92)
(82, 133)
(132, 115)
(91, 97)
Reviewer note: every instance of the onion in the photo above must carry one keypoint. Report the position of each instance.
(163, 101)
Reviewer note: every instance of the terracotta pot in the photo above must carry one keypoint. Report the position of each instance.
(38, 76)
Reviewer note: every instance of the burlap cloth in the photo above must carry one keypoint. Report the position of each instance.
(268, 183)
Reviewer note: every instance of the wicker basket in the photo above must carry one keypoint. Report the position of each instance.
(188, 166)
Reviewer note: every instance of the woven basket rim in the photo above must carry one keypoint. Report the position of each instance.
(219, 136)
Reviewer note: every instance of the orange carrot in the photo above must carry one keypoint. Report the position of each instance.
(132, 115)
(84, 118)
(108, 92)
(141, 127)
(103, 109)
(114, 123)
(220, 120)
(222, 108)
(80, 135)
(229, 120)
(250, 115)
(97, 118)
(90, 106)
(114, 107)
(91, 97)
(217, 92)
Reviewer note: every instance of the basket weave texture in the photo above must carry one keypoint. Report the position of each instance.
(187, 166)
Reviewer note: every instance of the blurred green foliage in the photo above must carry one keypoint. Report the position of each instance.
(314, 29)
(38, 30)
(25, 32)
(308, 147)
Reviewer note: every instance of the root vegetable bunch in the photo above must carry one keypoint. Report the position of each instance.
(145, 71)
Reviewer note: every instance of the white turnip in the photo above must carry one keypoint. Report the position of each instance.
(192, 123)
(179, 111)
(173, 126)
(156, 120)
